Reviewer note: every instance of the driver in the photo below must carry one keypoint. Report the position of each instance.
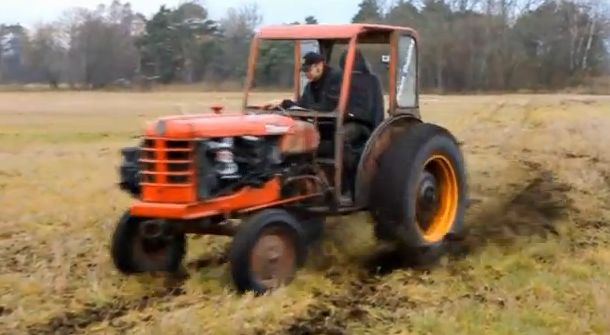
(321, 92)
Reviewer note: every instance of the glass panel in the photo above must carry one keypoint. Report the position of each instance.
(307, 46)
(407, 72)
(274, 71)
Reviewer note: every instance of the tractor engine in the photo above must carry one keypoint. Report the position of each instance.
(185, 159)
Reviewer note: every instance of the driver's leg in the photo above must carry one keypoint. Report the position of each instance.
(354, 139)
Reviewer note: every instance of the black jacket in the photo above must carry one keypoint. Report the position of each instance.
(323, 94)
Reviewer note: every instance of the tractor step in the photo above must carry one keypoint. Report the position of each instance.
(325, 161)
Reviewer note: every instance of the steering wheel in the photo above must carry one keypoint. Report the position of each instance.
(279, 109)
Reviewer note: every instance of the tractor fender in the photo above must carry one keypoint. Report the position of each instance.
(375, 145)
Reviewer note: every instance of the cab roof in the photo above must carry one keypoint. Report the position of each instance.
(326, 31)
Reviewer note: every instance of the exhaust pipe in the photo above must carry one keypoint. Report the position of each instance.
(152, 229)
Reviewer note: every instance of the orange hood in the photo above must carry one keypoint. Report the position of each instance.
(219, 125)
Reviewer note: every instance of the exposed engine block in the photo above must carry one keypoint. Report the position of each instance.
(217, 166)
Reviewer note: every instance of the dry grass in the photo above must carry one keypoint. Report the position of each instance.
(535, 259)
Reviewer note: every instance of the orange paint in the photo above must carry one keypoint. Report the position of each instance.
(326, 31)
(245, 198)
(218, 125)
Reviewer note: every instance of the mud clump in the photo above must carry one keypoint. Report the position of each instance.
(317, 324)
(386, 260)
(332, 313)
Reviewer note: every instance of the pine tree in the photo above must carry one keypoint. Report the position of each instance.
(369, 12)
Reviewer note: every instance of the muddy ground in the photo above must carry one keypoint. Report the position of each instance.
(534, 257)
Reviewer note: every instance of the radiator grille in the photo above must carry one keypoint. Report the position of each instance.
(165, 161)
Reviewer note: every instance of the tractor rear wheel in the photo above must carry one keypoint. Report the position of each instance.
(418, 194)
(133, 251)
(267, 251)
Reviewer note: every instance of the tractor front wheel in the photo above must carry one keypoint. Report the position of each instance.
(418, 194)
(142, 245)
(267, 251)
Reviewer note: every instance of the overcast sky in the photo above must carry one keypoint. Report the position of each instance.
(29, 12)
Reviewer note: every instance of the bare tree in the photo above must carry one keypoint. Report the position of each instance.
(46, 53)
(237, 28)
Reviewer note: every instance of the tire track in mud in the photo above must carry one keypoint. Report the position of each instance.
(529, 210)
(331, 313)
(484, 149)
(72, 322)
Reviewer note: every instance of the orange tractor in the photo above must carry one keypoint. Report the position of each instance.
(259, 175)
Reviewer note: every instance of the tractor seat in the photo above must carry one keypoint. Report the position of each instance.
(365, 103)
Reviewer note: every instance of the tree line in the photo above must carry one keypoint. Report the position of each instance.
(466, 45)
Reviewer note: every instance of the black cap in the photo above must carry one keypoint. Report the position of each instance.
(310, 59)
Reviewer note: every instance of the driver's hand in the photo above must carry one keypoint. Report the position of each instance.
(287, 103)
(272, 104)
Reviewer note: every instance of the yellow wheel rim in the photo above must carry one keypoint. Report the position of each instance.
(437, 200)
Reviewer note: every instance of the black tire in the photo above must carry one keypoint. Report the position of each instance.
(394, 190)
(130, 255)
(250, 233)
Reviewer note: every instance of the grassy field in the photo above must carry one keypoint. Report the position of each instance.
(535, 258)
